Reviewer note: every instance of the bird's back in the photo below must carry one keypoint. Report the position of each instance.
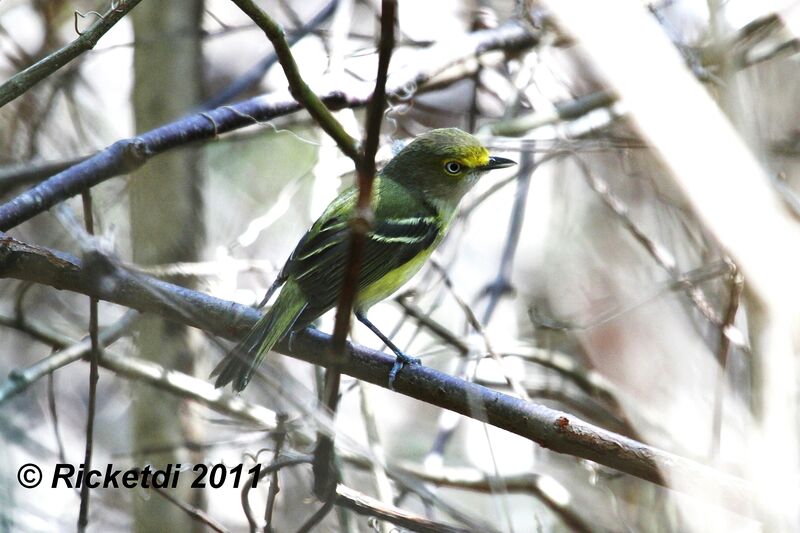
(405, 230)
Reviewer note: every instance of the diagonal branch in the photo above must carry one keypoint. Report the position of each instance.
(555, 430)
(250, 78)
(363, 504)
(22, 81)
(298, 87)
(128, 154)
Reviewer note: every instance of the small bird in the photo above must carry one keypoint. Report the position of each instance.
(415, 198)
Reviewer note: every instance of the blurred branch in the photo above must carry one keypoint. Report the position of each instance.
(727, 332)
(562, 111)
(133, 368)
(29, 172)
(377, 469)
(298, 87)
(472, 479)
(360, 225)
(554, 430)
(22, 81)
(195, 513)
(94, 357)
(254, 74)
(128, 154)
(501, 284)
(683, 282)
(191, 388)
(726, 185)
(761, 39)
(363, 504)
(20, 380)
(659, 253)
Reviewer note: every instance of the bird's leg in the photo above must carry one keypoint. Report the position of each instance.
(401, 359)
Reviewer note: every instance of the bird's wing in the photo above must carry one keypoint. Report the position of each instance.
(318, 263)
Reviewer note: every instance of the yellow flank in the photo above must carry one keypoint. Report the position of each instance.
(392, 281)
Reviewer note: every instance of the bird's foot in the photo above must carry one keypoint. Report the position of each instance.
(400, 361)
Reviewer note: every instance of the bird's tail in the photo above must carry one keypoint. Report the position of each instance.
(241, 363)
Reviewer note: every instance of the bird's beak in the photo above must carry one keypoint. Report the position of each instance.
(498, 162)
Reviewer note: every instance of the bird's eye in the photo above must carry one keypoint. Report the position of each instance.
(452, 167)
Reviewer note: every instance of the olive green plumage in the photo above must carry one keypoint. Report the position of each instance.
(414, 200)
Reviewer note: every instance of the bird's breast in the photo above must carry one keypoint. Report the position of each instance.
(392, 281)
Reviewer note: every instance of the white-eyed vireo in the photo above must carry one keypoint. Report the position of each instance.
(415, 198)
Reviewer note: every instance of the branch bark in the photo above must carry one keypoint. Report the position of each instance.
(22, 81)
(128, 154)
(555, 430)
(298, 87)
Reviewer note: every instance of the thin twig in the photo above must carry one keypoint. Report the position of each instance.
(363, 504)
(256, 73)
(51, 404)
(280, 437)
(298, 87)
(277, 464)
(194, 513)
(424, 319)
(324, 482)
(21, 379)
(22, 81)
(512, 381)
(94, 357)
(128, 154)
(725, 331)
(319, 515)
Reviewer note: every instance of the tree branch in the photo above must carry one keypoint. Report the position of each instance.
(173, 381)
(298, 87)
(250, 78)
(324, 484)
(22, 81)
(363, 504)
(552, 429)
(128, 154)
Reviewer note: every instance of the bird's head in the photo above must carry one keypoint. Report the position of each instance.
(443, 163)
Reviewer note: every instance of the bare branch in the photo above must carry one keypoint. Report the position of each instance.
(552, 429)
(195, 513)
(363, 504)
(298, 87)
(254, 74)
(94, 376)
(148, 372)
(22, 81)
(19, 380)
(128, 154)
(324, 484)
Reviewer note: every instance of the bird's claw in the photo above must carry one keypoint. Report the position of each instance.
(400, 361)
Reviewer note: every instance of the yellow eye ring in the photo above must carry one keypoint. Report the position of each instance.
(452, 167)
